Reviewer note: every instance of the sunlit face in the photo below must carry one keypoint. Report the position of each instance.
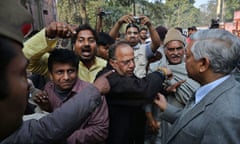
(174, 52)
(85, 45)
(132, 36)
(15, 103)
(63, 75)
(143, 34)
(192, 65)
(124, 60)
(102, 51)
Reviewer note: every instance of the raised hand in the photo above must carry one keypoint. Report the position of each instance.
(59, 29)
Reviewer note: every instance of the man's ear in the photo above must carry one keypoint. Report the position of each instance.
(112, 63)
(204, 64)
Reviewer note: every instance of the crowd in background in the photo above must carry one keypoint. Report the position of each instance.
(150, 85)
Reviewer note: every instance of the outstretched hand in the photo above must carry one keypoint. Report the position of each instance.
(102, 84)
(173, 87)
(161, 102)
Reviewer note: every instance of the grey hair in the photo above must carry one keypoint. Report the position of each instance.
(221, 48)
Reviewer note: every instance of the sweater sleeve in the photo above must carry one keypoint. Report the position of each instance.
(36, 51)
(96, 128)
(140, 87)
(58, 125)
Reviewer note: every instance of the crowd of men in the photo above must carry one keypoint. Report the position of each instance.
(154, 86)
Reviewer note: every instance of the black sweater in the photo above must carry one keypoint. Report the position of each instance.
(132, 91)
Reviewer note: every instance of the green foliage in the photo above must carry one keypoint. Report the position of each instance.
(181, 13)
(155, 11)
(172, 13)
(230, 7)
(69, 12)
(208, 12)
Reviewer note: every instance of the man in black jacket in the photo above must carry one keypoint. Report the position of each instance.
(128, 95)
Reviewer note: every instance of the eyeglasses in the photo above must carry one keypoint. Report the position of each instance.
(173, 49)
(126, 62)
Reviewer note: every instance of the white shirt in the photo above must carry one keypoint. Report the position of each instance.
(204, 90)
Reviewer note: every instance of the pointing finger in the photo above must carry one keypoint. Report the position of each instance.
(107, 73)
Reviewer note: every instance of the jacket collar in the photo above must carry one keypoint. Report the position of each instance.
(199, 108)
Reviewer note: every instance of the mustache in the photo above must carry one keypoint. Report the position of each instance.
(86, 48)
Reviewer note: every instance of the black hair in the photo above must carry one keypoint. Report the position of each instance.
(62, 56)
(143, 28)
(214, 24)
(162, 31)
(179, 29)
(113, 48)
(84, 27)
(7, 53)
(105, 39)
(193, 28)
(132, 25)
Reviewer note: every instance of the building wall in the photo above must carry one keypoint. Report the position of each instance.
(43, 12)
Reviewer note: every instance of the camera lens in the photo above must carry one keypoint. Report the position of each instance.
(137, 20)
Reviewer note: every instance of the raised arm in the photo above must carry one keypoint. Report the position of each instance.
(153, 33)
(36, 48)
(115, 29)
